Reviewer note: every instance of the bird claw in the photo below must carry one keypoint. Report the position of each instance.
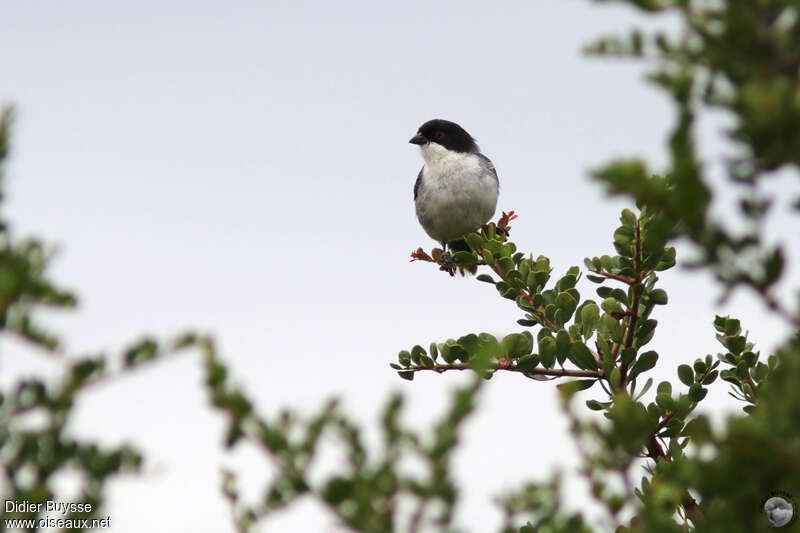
(447, 264)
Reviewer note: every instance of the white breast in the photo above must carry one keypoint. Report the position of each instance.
(458, 193)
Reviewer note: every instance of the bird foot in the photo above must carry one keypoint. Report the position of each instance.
(447, 264)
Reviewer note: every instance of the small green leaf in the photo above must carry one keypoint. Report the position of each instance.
(416, 353)
(647, 385)
(485, 278)
(516, 345)
(590, 318)
(433, 350)
(645, 362)
(594, 405)
(404, 357)
(736, 344)
(628, 218)
(562, 342)
(526, 363)
(571, 387)
(700, 367)
(696, 392)
(658, 296)
(628, 355)
(474, 241)
(566, 303)
(582, 357)
(731, 326)
(547, 351)
(665, 401)
(612, 306)
(686, 375)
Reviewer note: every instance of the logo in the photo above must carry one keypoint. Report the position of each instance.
(779, 509)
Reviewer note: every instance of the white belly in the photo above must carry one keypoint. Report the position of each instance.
(456, 197)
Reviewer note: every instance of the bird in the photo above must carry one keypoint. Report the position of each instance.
(456, 189)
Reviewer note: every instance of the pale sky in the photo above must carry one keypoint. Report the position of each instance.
(243, 168)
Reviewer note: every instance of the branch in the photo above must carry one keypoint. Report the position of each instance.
(609, 275)
(554, 372)
(637, 265)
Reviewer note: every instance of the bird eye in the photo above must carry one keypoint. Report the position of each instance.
(440, 135)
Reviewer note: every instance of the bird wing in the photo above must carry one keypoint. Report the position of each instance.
(488, 165)
(418, 183)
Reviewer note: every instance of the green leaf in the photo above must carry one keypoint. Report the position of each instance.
(645, 332)
(647, 385)
(404, 357)
(590, 318)
(594, 405)
(526, 363)
(773, 267)
(612, 306)
(582, 357)
(736, 344)
(547, 351)
(628, 355)
(516, 345)
(667, 260)
(474, 241)
(611, 328)
(628, 218)
(571, 387)
(407, 374)
(566, 303)
(731, 326)
(645, 362)
(433, 350)
(485, 278)
(699, 366)
(416, 353)
(697, 393)
(686, 375)
(666, 401)
(658, 296)
(452, 351)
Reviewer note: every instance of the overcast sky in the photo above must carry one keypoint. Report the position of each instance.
(243, 168)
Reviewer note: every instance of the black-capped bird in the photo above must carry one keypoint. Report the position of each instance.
(456, 189)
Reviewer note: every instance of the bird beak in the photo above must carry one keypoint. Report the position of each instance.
(418, 139)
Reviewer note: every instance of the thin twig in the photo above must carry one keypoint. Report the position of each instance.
(553, 372)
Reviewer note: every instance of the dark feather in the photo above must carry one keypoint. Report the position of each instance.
(418, 183)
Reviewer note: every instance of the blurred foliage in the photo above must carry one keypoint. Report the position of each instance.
(740, 57)
(37, 444)
(366, 492)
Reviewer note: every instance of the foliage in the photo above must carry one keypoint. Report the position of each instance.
(739, 57)
(36, 443)
(366, 491)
